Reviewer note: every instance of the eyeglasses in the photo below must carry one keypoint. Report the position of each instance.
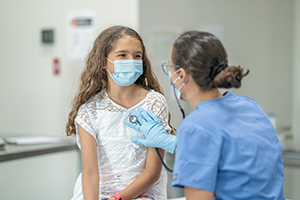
(166, 67)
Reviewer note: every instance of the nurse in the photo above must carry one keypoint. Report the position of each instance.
(226, 148)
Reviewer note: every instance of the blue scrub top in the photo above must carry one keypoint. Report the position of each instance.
(229, 146)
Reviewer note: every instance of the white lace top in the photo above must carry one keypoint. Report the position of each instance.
(120, 160)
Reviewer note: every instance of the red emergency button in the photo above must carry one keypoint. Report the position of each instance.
(56, 66)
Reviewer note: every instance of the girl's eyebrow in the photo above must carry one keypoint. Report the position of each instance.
(122, 51)
(125, 51)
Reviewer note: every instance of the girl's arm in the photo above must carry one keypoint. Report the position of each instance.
(193, 193)
(146, 179)
(90, 172)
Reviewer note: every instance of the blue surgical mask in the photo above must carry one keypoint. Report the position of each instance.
(177, 91)
(126, 72)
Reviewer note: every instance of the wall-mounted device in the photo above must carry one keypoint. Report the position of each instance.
(48, 36)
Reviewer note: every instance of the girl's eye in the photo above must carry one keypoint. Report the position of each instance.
(138, 56)
(122, 55)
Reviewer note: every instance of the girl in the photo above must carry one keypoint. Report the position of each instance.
(117, 77)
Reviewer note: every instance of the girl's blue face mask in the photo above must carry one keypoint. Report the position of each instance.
(126, 72)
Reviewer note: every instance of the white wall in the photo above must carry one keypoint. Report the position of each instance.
(32, 99)
(292, 175)
(296, 74)
(257, 35)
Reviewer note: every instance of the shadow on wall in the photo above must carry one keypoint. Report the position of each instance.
(172, 192)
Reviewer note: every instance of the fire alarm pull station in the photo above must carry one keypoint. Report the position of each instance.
(56, 66)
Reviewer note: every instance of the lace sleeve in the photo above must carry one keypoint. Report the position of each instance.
(86, 121)
(161, 110)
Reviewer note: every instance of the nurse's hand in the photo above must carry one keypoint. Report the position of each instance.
(152, 128)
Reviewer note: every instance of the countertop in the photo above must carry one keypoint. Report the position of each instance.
(291, 158)
(13, 152)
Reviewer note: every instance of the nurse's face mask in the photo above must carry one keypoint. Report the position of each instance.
(172, 84)
(126, 72)
(166, 70)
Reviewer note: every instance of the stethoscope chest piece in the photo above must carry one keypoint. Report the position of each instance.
(133, 118)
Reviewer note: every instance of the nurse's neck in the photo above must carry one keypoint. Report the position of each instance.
(193, 94)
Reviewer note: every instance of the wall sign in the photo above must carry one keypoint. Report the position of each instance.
(81, 34)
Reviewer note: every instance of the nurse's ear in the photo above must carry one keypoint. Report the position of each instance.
(183, 74)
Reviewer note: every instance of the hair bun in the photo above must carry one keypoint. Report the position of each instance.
(230, 77)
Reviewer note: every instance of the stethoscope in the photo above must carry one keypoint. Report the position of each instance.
(134, 119)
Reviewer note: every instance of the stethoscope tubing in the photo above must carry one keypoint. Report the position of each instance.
(133, 119)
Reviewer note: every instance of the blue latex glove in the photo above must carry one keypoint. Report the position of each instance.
(152, 128)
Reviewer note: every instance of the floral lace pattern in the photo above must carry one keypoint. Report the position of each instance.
(120, 161)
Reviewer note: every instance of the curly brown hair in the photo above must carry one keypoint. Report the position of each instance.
(94, 77)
